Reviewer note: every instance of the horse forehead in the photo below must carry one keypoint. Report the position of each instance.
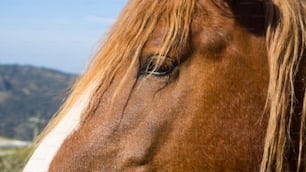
(156, 38)
(204, 22)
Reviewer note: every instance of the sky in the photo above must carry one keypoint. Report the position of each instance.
(57, 34)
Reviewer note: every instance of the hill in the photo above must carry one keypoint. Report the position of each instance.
(29, 96)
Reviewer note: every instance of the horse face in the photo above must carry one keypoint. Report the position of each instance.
(200, 111)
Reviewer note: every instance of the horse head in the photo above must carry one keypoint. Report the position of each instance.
(189, 85)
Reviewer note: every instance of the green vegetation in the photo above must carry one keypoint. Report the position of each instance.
(14, 160)
(29, 97)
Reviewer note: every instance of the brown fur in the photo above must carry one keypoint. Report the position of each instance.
(208, 115)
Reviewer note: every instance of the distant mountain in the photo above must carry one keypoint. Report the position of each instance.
(29, 96)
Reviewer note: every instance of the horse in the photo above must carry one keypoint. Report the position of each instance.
(188, 85)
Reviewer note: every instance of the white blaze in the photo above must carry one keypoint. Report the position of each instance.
(45, 152)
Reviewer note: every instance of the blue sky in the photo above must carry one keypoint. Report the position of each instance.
(58, 34)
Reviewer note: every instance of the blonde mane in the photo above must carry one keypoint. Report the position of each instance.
(286, 38)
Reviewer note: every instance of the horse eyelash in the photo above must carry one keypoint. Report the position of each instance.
(146, 67)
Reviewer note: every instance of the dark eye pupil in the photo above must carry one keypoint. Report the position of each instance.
(153, 68)
(161, 70)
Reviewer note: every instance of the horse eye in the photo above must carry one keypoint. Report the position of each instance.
(158, 66)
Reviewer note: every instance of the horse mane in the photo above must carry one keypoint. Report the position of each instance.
(286, 38)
